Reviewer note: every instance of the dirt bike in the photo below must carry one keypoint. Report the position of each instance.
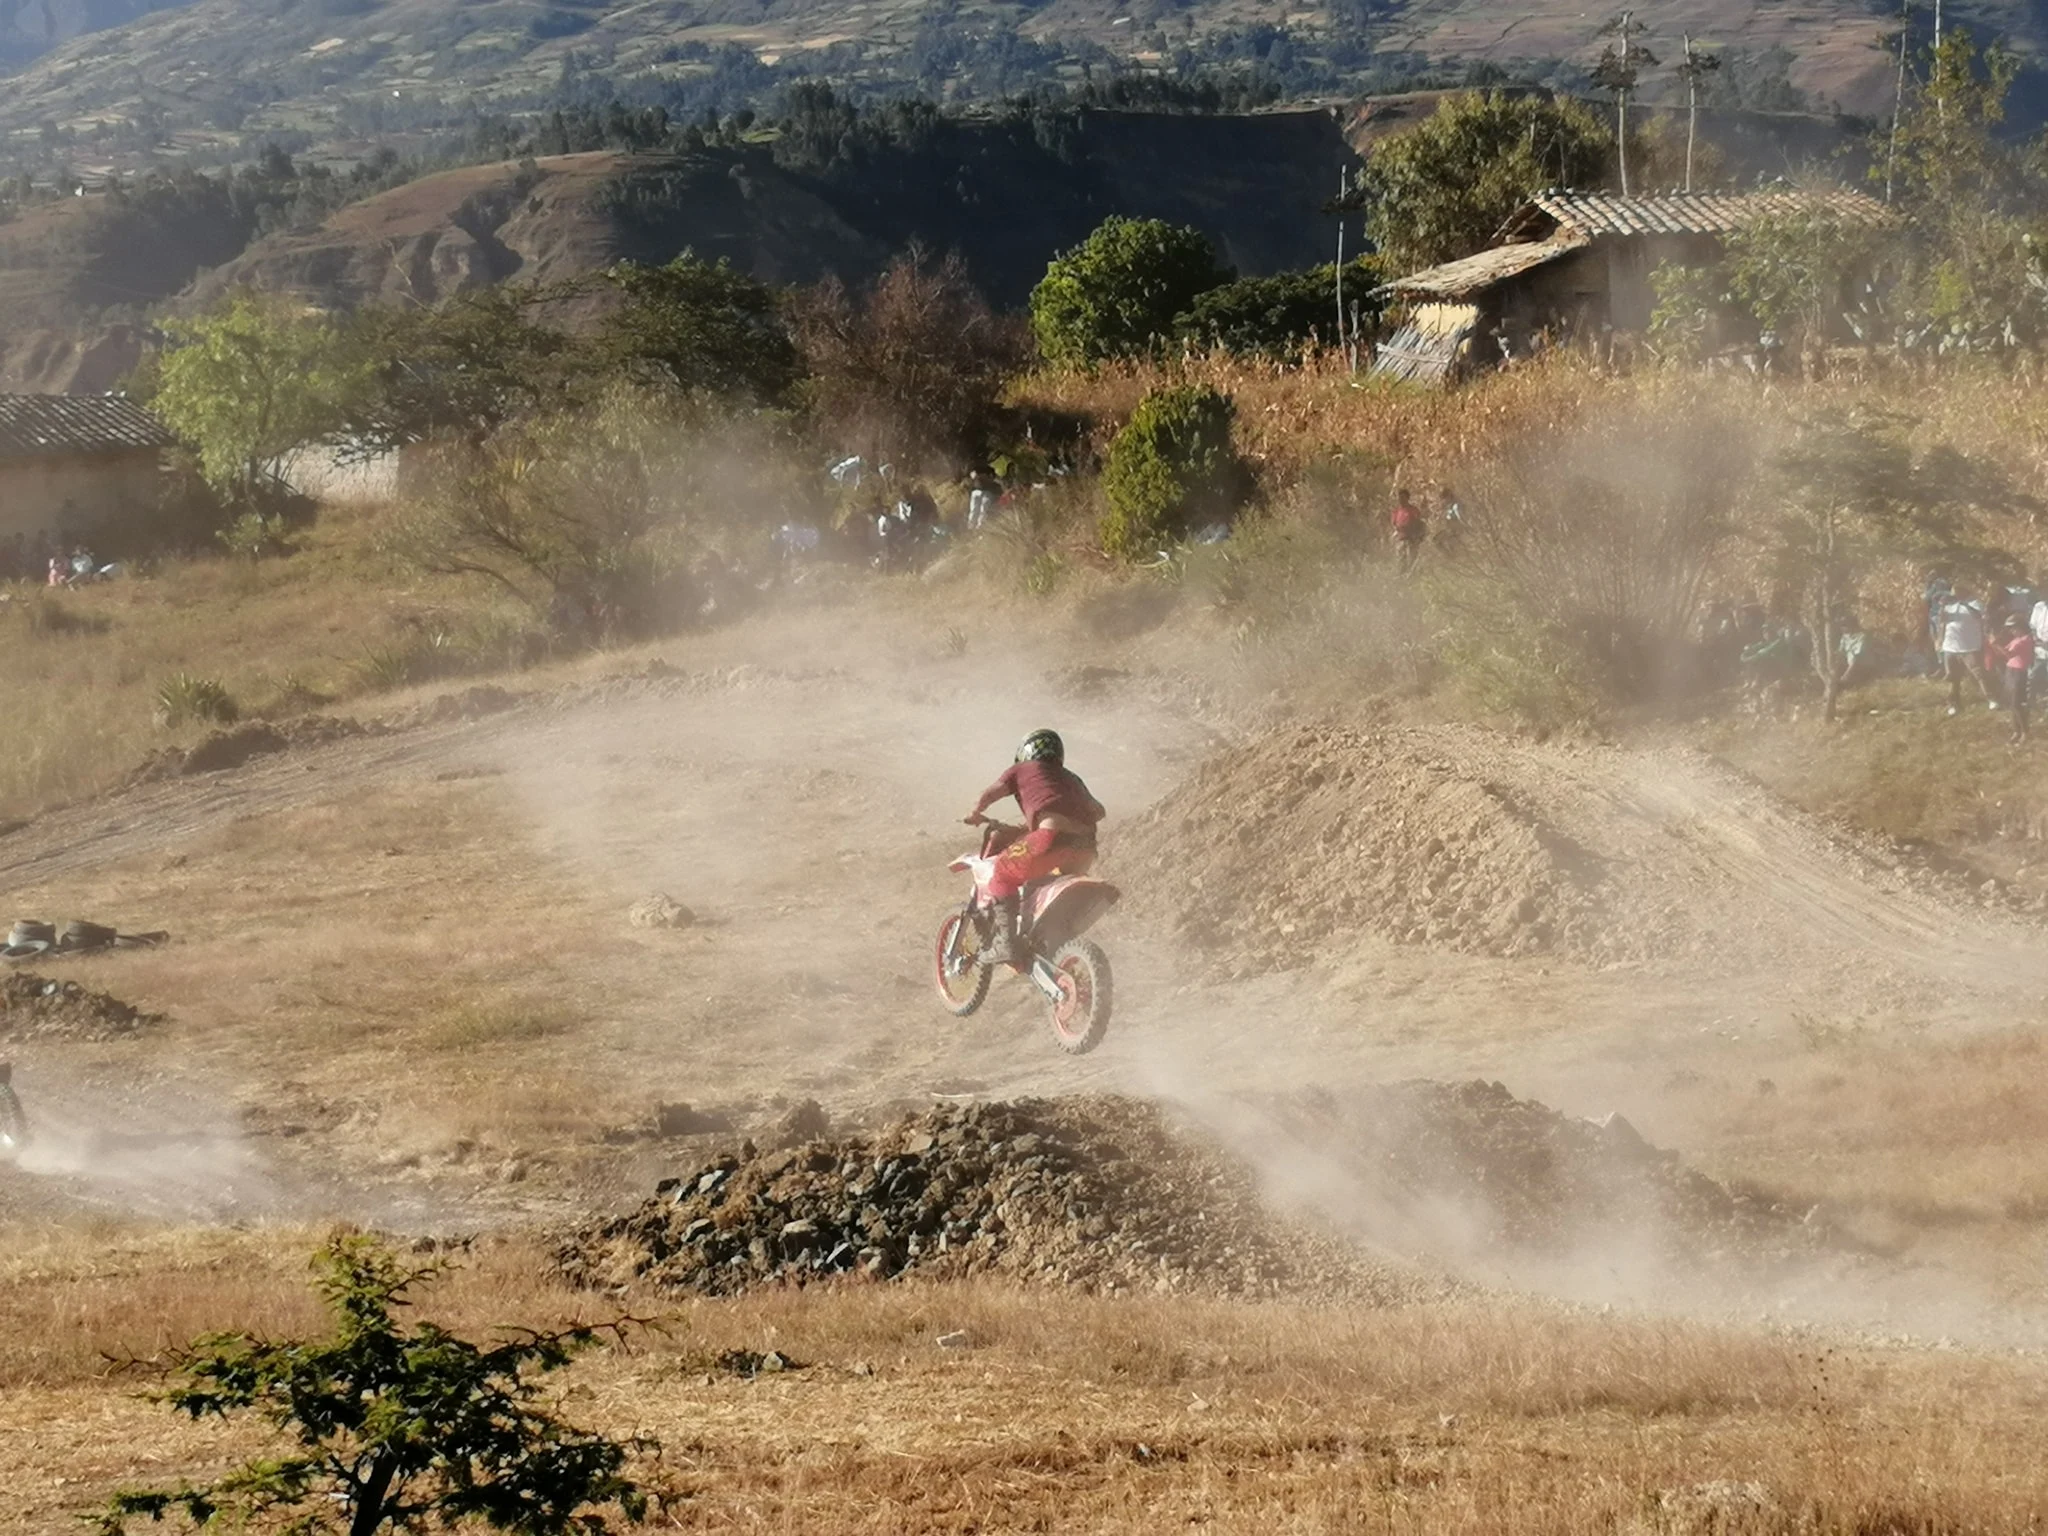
(13, 1123)
(1071, 973)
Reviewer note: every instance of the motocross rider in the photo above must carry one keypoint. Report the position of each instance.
(1060, 817)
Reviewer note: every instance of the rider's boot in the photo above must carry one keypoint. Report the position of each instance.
(1002, 945)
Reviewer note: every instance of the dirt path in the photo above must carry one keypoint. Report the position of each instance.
(335, 904)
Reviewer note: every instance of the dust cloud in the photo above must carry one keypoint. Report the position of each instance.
(1337, 934)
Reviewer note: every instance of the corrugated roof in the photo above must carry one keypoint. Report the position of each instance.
(1470, 274)
(1592, 214)
(32, 425)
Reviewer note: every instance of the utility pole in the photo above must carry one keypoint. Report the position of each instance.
(1891, 153)
(1340, 263)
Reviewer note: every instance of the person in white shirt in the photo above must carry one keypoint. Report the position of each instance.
(1962, 648)
(2037, 621)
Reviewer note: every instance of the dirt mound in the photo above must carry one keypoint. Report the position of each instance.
(1114, 1194)
(35, 1008)
(1275, 848)
(239, 744)
(1469, 1165)
(1102, 1193)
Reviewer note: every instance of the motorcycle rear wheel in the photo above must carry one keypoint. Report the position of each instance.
(961, 989)
(1081, 1017)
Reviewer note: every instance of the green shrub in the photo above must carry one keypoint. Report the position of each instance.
(1277, 316)
(1118, 292)
(182, 697)
(1171, 469)
(253, 535)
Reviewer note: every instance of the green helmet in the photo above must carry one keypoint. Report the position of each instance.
(1043, 747)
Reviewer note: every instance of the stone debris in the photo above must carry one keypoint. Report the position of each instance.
(1101, 1193)
(1113, 1194)
(660, 911)
(34, 1007)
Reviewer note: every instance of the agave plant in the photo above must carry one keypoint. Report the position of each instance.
(183, 697)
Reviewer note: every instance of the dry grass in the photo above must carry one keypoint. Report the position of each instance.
(79, 692)
(1914, 1134)
(1069, 1412)
(1897, 764)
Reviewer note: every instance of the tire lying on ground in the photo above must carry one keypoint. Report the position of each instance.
(79, 934)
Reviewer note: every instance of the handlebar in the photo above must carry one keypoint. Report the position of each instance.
(994, 834)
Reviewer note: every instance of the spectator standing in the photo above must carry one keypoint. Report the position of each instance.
(1450, 519)
(1409, 529)
(2016, 653)
(1936, 595)
(1962, 648)
(2038, 624)
(981, 497)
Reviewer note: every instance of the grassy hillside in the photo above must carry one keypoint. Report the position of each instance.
(1254, 184)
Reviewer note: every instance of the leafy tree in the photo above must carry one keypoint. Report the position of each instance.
(464, 366)
(1975, 274)
(590, 517)
(1171, 470)
(1277, 316)
(397, 1428)
(911, 367)
(700, 326)
(1118, 293)
(1444, 189)
(1692, 303)
(1855, 494)
(251, 382)
(1793, 271)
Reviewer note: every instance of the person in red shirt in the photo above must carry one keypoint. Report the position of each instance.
(1408, 529)
(1060, 818)
(2014, 650)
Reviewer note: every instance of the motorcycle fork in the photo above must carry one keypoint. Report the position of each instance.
(969, 915)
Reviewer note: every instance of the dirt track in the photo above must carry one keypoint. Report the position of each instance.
(805, 810)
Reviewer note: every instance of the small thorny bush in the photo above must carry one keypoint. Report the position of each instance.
(398, 1428)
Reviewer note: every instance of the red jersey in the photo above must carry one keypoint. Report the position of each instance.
(2018, 651)
(1041, 789)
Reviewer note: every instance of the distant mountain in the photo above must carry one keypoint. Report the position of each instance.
(119, 75)
(30, 28)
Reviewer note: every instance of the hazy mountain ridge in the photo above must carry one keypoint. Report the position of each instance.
(327, 69)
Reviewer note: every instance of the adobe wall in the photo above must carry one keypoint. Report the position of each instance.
(71, 493)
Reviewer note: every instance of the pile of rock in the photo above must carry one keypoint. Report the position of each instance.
(1100, 1193)
(34, 1007)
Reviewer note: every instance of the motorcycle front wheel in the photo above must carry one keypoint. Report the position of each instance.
(961, 977)
(1081, 1016)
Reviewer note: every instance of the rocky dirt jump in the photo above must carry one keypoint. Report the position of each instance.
(406, 990)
